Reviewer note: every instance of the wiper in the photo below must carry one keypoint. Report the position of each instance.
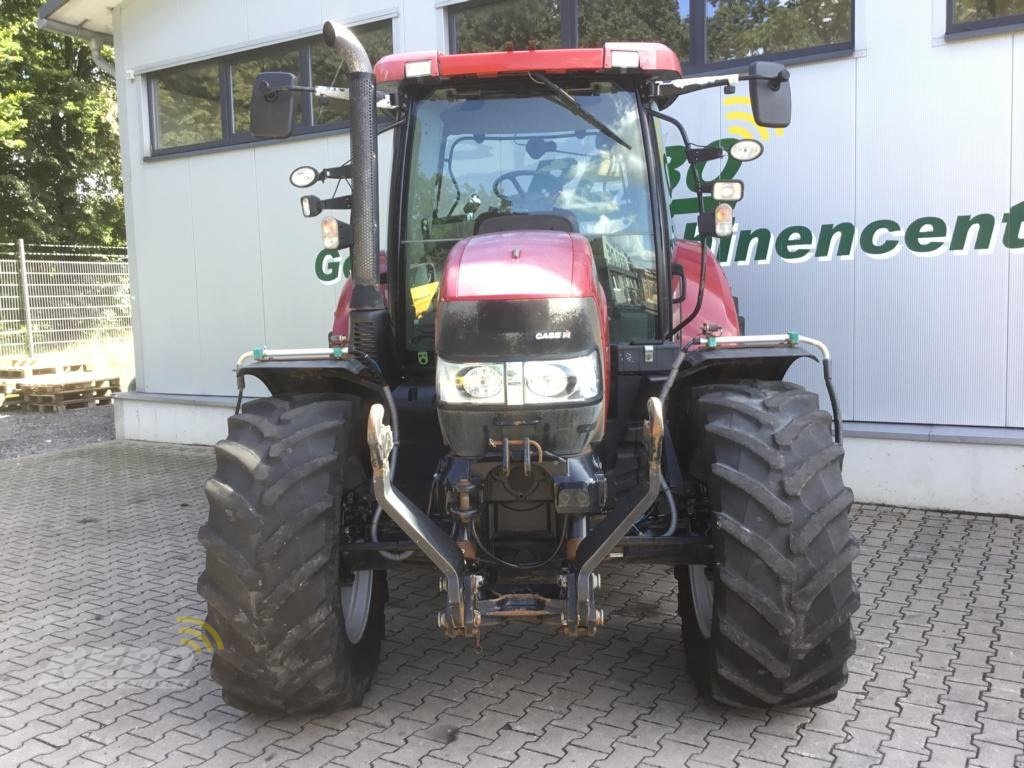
(564, 98)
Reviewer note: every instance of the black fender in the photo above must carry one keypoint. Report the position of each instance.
(712, 366)
(346, 375)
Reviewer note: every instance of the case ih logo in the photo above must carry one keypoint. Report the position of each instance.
(545, 335)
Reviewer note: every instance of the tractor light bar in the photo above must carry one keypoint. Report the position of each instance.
(329, 230)
(723, 220)
(727, 191)
(625, 59)
(421, 68)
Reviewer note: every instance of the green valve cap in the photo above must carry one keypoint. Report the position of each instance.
(337, 352)
(712, 342)
(258, 353)
(794, 337)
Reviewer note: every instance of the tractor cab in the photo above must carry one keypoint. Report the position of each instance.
(546, 141)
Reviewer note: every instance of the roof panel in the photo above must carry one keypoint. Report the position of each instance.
(79, 16)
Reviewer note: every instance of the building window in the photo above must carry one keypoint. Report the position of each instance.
(745, 29)
(971, 15)
(206, 104)
(187, 106)
(487, 26)
(654, 21)
(706, 34)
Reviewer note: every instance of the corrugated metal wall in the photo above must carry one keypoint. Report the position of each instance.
(909, 126)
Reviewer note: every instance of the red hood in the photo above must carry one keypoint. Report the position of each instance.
(520, 265)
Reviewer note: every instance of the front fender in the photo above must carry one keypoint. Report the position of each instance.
(710, 366)
(347, 375)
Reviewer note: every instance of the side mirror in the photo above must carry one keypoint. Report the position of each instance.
(272, 112)
(769, 94)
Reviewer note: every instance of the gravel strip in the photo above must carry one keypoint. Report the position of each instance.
(24, 434)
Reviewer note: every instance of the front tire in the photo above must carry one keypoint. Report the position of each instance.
(769, 623)
(299, 634)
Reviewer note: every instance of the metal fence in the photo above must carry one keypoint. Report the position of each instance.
(58, 297)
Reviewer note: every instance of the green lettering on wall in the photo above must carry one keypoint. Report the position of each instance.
(1013, 235)
(986, 224)
(867, 237)
(763, 240)
(722, 251)
(794, 242)
(926, 235)
(327, 266)
(847, 234)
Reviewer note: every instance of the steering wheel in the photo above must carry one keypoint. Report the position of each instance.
(521, 199)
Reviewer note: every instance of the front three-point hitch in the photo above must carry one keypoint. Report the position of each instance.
(467, 608)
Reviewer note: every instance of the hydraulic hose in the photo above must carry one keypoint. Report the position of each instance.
(673, 512)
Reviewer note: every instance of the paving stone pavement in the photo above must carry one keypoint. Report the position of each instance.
(99, 559)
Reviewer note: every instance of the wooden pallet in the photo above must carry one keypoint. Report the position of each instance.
(26, 368)
(65, 392)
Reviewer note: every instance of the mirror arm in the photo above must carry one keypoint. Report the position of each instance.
(774, 82)
(325, 92)
(338, 172)
(684, 85)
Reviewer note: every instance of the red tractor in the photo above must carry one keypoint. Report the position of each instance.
(564, 382)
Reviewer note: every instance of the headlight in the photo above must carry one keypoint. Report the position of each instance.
(577, 378)
(476, 383)
(520, 383)
(547, 379)
(481, 382)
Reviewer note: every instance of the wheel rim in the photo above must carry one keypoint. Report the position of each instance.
(702, 590)
(355, 604)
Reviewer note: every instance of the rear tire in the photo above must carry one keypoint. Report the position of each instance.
(769, 624)
(275, 587)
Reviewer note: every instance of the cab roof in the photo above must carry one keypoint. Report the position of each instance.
(652, 59)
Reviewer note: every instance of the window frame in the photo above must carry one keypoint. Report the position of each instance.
(984, 26)
(697, 60)
(230, 138)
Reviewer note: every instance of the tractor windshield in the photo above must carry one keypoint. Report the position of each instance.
(483, 152)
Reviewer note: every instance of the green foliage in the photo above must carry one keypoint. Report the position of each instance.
(488, 27)
(60, 167)
(650, 21)
(740, 28)
(982, 10)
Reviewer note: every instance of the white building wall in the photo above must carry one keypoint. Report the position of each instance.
(909, 125)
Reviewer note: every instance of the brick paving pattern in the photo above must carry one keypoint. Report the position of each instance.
(99, 559)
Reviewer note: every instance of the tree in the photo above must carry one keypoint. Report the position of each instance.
(740, 28)
(60, 165)
(653, 21)
(490, 26)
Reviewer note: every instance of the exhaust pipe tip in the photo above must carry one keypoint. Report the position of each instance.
(330, 35)
(341, 39)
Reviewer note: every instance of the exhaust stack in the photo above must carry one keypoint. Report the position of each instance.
(369, 323)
